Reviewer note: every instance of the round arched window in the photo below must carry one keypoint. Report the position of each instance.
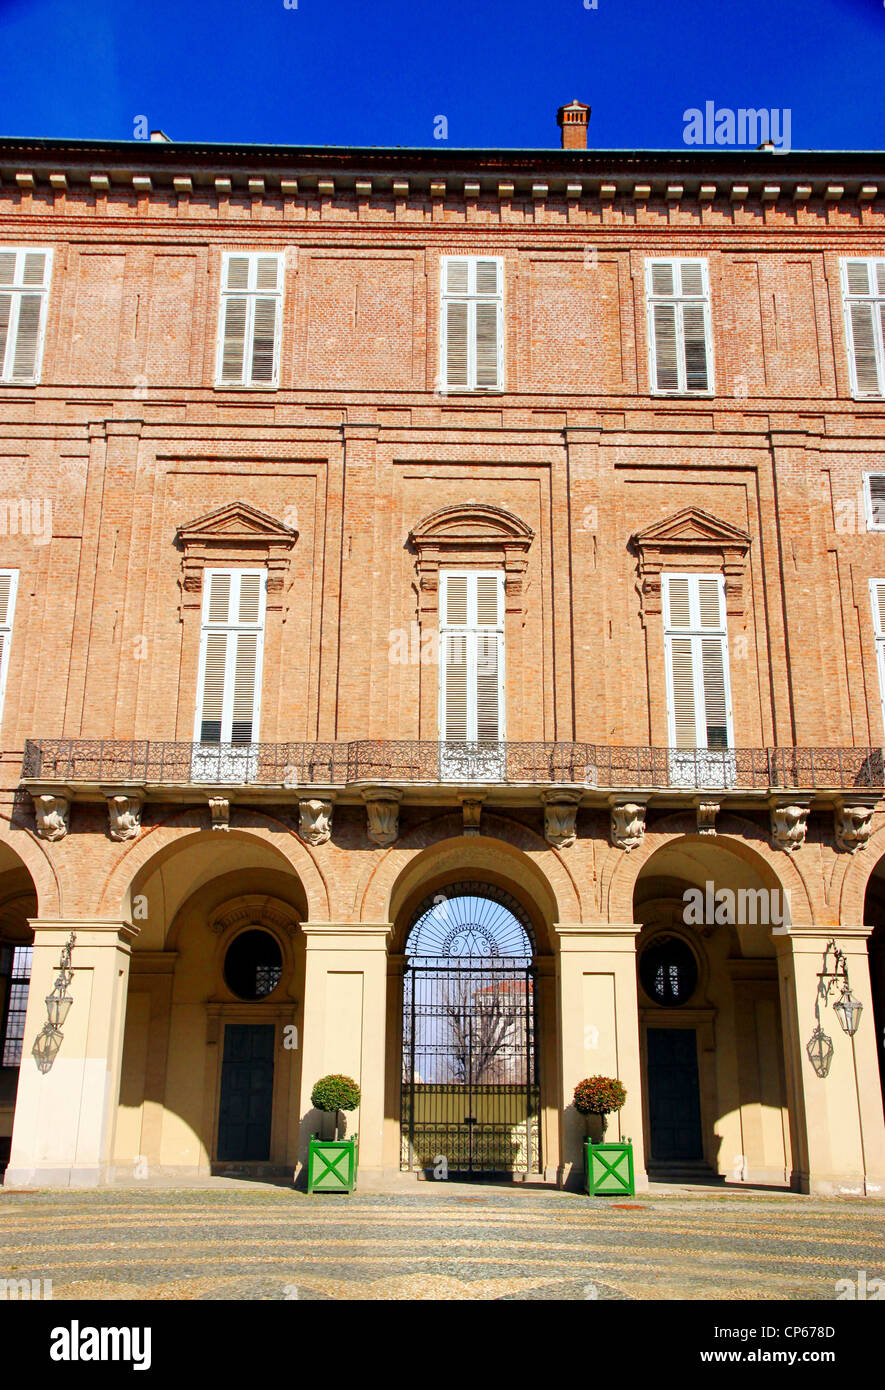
(668, 971)
(253, 965)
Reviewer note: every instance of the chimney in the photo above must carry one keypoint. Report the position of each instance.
(572, 120)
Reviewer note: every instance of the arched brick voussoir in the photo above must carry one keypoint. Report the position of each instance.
(35, 855)
(189, 824)
(736, 836)
(853, 890)
(541, 868)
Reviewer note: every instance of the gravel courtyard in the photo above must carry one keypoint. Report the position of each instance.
(244, 1241)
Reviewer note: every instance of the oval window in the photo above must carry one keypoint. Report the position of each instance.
(668, 971)
(253, 965)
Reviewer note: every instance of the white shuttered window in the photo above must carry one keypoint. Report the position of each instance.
(874, 500)
(863, 297)
(24, 290)
(249, 320)
(696, 640)
(8, 590)
(877, 596)
(471, 697)
(472, 327)
(229, 690)
(679, 333)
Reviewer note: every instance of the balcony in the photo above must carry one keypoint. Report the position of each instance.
(176, 770)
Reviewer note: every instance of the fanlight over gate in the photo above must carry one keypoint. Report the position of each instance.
(470, 1096)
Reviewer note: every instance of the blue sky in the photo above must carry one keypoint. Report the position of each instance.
(378, 72)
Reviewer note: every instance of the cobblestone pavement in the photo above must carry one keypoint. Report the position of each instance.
(243, 1241)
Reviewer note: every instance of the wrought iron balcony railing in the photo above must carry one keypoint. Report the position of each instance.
(148, 763)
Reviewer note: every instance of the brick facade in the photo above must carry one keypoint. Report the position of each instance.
(134, 446)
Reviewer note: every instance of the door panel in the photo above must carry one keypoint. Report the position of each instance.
(673, 1094)
(245, 1109)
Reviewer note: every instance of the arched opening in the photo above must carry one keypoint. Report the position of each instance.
(18, 903)
(874, 916)
(211, 1066)
(470, 1097)
(714, 1086)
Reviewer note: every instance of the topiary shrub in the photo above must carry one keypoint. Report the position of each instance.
(332, 1093)
(599, 1095)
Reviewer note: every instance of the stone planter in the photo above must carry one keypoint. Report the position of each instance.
(595, 1126)
(332, 1164)
(608, 1169)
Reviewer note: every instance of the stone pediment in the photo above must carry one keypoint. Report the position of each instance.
(691, 526)
(471, 533)
(470, 524)
(235, 533)
(237, 522)
(692, 539)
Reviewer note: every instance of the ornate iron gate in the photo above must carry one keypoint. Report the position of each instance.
(470, 1092)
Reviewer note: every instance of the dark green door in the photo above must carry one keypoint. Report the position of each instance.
(673, 1094)
(246, 1092)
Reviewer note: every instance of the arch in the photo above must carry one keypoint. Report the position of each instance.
(437, 851)
(175, 831)
(736, 836)
(856, 879)
(34, 856)
(441, 925)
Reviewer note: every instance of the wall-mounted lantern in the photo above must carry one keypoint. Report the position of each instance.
(58, 1004)
(847, 1008)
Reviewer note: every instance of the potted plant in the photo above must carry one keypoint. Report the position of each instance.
(608, 1167)
(332, 1163)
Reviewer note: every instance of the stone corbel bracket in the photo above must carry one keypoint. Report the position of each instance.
(627, 824)
(707, 811)
(124, 812)
(853, 818)
(53, 814)
(219, 810)
(471, 812)
(382, 814)
(789, 824)
(315, 820)
(560, 815)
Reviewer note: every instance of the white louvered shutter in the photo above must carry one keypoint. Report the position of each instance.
(679, 326)
(8, 590)
(472, 322)
(877, 597)
(230, 659)
(472, 665)
(250, 319)
(875, 498)
(863, 291)
(696, 641)
(24, 284)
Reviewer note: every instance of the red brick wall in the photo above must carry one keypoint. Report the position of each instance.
(129, 439)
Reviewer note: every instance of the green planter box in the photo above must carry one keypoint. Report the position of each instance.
(608, 1169)
(332, 1164)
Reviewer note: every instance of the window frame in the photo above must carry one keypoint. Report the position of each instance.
(207, 627)
(14, 947)
(6, 627)
(471, 630)
(651, 299)
(849, 298)
(17, 289)
(868, 499)
(471, 298)
(250, 295)
(696, 634)
(879, 639)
